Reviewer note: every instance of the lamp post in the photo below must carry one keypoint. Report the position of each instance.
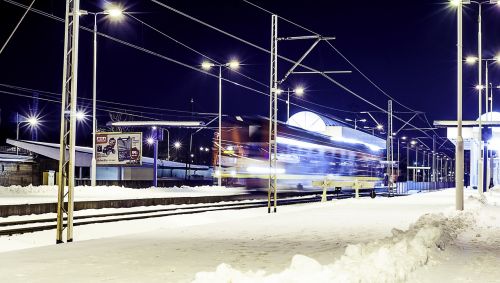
(32, 122)
(459, 4)
(299, 91)
(233, 64)
(355, 120)
(483, 152)
(115, 12)
(459, 149)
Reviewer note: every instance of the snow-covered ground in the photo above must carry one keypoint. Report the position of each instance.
(419, 238)
(48, 194)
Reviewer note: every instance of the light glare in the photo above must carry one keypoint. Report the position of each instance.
(299, 91)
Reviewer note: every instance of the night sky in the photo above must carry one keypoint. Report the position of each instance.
(408, 48)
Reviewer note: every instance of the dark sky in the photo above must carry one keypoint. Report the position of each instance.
(407, 47)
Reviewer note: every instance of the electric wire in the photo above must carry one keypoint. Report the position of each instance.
(281, 57)
(17, 26)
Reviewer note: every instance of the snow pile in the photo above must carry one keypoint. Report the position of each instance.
(37, 194)
(387, 260)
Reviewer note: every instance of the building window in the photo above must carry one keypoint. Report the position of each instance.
(18, 167)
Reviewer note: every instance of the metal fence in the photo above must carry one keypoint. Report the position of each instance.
(404, 188)
(12, 150)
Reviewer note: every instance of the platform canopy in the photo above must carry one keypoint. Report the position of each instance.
(470, 130)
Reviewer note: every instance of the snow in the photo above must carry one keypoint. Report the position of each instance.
(418, 238)
(48, 194)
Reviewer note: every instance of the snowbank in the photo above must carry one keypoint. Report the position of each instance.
(38, 194)
(388, 260)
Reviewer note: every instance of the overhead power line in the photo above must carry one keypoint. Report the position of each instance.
(15, 28)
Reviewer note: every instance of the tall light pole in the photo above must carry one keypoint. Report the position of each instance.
(114, 12)
(233, 64)
(459, 4)
(32, 122)
(459, 149)
(355, 120)
(299, 91)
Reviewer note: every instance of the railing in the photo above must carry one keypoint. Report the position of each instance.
(12, 150)
(404, 188)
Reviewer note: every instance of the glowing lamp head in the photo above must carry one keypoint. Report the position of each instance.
(479, 87)
(234, 64)
(279, 91)
(33, 121)
(114, 11)
(455, 3)
(80, 115)
(177, 145)
(403, 138)
(299, 91)
(413, 142)
(380, 127)
(471, 60)
(206, 65)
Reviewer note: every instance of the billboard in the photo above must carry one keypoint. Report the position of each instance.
(118, 149)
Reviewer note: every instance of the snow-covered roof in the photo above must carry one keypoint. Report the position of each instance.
(84, 154)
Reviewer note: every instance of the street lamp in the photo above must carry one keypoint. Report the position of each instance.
(482, 162)
(233, 65)
(177, 145)
(114, 12)
(299, 91)
(355, 120)
(32, 121)
(80, 115)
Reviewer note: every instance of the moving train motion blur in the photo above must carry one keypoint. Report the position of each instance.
(310, 149)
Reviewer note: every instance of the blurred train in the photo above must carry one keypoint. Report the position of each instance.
(304, 156)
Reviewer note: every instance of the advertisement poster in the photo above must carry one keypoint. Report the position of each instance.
(119, 149)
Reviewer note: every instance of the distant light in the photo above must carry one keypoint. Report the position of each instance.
(206, 65)
(201, 148)
(150, 141)
(471, 60)
(348, 120)
(299, 91)
(154, 127)
(362, 120)
(33, 121)
(80, 115)
(413, 142)
(207, 149)
(234, 64)
(479, 87)
(380, 127)
(177, 145)
(114, 11)
(279, 91)
(394, 134)
(403, 138)
(192, 155)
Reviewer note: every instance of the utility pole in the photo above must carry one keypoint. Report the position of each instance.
(273, 115)
(390, 147)
(68, 122)
(434, 172)
(407, 161)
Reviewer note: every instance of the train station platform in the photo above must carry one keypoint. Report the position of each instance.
(16, 200)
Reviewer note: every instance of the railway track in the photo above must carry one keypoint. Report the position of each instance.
(8, 228)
